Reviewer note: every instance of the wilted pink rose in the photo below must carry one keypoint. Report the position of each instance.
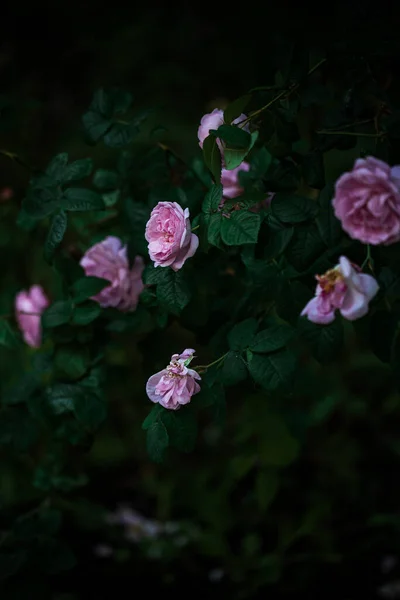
(230, 180)
(367, 202)
(176, 384)
(343, 288)
(212, 121)
(109, 260)
(29, 306)
(169, 234)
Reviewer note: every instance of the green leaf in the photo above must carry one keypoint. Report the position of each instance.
(90, 409)
(266, 487)
(11, 562)
(40, 202)
(41, 522)
(57, 314)
(105, 179)
(86, 287)
(157, 441)
(212, 157)
(305, 247)
(55, 234)
(234, 369)
(53, 556)
(325, 341)
(272, 371)
(214, 224)
(212, 200)
(152, 417)
(81, 199)
(289, 208)
(261, 161)
(234, 137)
(313, 169)
(328, 225)
(79, 169)
(72, 361)
(120, 134)
(83, 315)
(173, 292)
(61, 397)
(8, 337)
(240, 227)
(278, 242)
(57, 167)
(271, 339)
(236, 108)
(182, 429)
(277, 447)
(233, 158)
(242, 335)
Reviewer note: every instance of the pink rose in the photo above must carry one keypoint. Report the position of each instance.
(367, 202)
(169, 234)
(343, 288)
(230, 181)
(109, 260)
(176, 384)
(29, 306)
(212, 121)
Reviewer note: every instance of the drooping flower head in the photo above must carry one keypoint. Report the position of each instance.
(176, 384)
(230, 181)
(109, 260)
(367, 202)
(342, 288)
(168, 232)
(213, 120)
(29, 306)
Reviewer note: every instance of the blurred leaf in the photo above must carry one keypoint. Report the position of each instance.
(328, 225)
(234, 137)
(38, 523)
(181, 428)
(242, 335)
(233, 158)
(83, 315)
(271, 339)
(313, 169)
(72, 361)
(55, 234)
(57, 314)
(261, 162)
(61, 397)
(272, 371)
(105, 179)
(11, 562)
(91, 409)
(276, 445)
(278, 242)
(57, 166)
(8, 337)
(81, 199)
(290, 208)
(79, 169)
(325, 341)
(212, 157)
(53, 556)
(120, 134)
(240, 227)
(266, 487)
(305, 247)
(236, 108)
(157, 440)
(86, 287)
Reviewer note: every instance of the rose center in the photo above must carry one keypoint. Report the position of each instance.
(328, 280)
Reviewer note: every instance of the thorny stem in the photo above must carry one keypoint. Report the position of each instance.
(14, 157)
(331, 132)
(197, 227)
(284, 92)
(205, 367)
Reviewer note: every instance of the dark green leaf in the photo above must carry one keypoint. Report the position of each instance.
(38, 523)
(81, 199)
(181, 428)
(57, 314)
(8, 337)
(157, 441)
(61, 397)
(121, 134)
(40, 202)
(11, 562)
(79, 169)
(290, 208)
(272, 371)
(233, 158)
(72, 361)
(213, 199)
(55, 235)
(95, 124)
(240, 227)
(236, 108)
(261, 162)
(266, 487)
(214, 223)
(234, 369)
(242, 335)
(90, 410)
(173, 291)
(105, 179)
(278, 242)
(271, 339)
(212, 157)
(277, 447)
(313, 169)
(86, 287)
(53, 556)
(234, 137)
(306, 246)
(83, 315)
(325, 341)
(57, 167)
(152, 417)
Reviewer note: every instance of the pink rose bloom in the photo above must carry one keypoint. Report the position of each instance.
(29, 306)
(212, 121)
(230, 181)
(169, 234)
(343, 288)
(109, 260)
(176, 384)
(367, 202)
